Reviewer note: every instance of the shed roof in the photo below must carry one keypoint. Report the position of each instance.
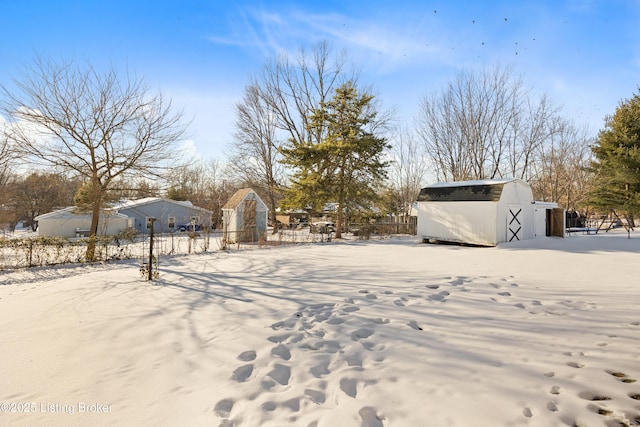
(465, 191)
(237, 198)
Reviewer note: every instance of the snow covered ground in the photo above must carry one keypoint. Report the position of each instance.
(349, 333)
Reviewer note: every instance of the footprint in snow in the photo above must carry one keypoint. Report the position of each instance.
(457, 282)
(592, 396)
(223, 408)
(269, 406)
(621, 376)
(414, 325)
(242, 373)
(441, 296)
(281, 351)
(247, 356)
(349, 386)
(317, 396)
(320, 369)
(280, 374)
(370, 418)
(361, 333)
(576, 364)
(293, 404)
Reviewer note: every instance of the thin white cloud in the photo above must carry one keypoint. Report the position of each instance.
(383, 43)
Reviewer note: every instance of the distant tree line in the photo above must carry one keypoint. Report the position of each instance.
(307, 132)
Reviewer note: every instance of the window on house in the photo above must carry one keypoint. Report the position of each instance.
(172, 222)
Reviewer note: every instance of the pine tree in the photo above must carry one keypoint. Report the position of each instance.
(347, 165)
(617, 164)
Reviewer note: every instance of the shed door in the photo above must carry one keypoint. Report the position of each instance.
(514, 223)
(557, 224)
(249, 220)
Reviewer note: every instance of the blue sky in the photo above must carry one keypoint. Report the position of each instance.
(584, 54)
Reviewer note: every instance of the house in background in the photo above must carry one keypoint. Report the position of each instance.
(170, 215)
(485, 213)
(69, 223)
(244, 217)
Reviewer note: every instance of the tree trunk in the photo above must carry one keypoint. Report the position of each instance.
(93, 231)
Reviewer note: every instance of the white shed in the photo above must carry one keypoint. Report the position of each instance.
(244, 217)
(68, 223)
(485, 213)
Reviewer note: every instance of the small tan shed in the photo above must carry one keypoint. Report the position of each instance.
(244, 217)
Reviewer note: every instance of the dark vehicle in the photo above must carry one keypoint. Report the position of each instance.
(189, 227)
(323, 227)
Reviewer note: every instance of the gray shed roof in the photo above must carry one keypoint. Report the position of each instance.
(464, 191)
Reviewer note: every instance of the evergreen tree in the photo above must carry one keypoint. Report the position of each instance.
(347, 165)
(617, 164)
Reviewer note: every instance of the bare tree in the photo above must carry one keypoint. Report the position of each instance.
(294, 88)
(254, 154)
(561, 172)
(92, 123)
(200, 181)
(38, 193)
(6, 155)
(409, 169)
(484, 125)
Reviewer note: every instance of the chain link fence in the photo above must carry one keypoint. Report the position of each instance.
(23, 251)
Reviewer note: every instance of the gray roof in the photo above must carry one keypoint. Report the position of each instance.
(465, 191)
